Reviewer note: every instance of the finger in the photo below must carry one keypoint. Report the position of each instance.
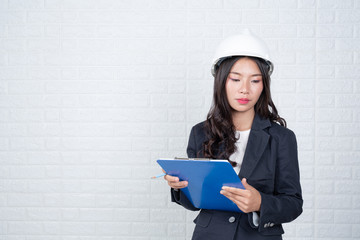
(236, 191)
(246, 185)
(171, 178)
(233, 196)
(178, 185)
(243, 207)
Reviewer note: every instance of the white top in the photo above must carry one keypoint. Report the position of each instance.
(238, 156)
(241, 143)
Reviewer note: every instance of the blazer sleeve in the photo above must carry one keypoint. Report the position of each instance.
(177, 195)
(286, 203)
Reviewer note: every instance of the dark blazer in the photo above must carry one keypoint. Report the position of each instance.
(270, 165)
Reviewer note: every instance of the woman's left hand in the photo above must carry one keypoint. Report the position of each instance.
(248, 199)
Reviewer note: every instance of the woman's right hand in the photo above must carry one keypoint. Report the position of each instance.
(174, 182)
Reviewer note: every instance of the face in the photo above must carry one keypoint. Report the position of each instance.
(244, 86)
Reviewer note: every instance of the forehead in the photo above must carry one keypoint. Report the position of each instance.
(245, 66)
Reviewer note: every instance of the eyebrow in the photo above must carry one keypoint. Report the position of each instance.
(253, 75)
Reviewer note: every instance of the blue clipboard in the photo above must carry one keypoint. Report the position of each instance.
(205, 178)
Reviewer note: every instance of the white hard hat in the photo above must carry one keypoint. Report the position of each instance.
(244, 44)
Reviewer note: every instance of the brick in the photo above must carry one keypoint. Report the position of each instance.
(307, 172)
(177, 143)
(167, 215)
(346, 217)
(325, 16)
(78, 228)
(356, 231)
(347, 187)
(329, 86)
(325, 187)
(305, 115)
(24, 200)
(15, 31)
(342, 115)
(78, 172)
(111, 200)
(298, 16)
(347, 45)
(333, 31)
(284, 86)
(356, 173)
(96, 215)
(176, 229)
(349, 158)
(271, 17)
(325, 72)
(84, 143)
(297, 72)
(53, 228)
(77, 200)
(347, 130)
(41, 17)
(333, 172)
(24, 228)
(12, 17)
(305, 58)
(307, 4)
(325, 130)
(153, 200)
(13, 214)
(201, 4)
(306, 158)
(305, 230)
(325, 216)
(333, 202)
(346, 101)
(333, 4)
(44, 214)
(167, 100)
(44, 186)
(149, 229)
(113, 172)
(307, 186)
(333, 230)
(325, 158)
(347, 16)
(324, 45)
(98, 186)
(113, 228)
(335, 57)
(282, 4)
(248, 4)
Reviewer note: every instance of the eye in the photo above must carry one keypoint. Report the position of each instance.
(255, 81)
(235, 79)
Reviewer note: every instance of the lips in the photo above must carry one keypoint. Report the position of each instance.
(243, 100)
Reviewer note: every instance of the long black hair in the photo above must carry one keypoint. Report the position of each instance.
(219, 126)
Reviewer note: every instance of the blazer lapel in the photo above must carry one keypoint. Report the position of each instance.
(258, 140)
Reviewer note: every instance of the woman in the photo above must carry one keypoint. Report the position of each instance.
(244, 127)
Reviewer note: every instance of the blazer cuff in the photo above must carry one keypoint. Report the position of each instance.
(175, 195)
(180, 198)
(254, 219)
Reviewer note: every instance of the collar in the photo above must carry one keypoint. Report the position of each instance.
(260, 123)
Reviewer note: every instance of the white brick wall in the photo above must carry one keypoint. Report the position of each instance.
(93, 92)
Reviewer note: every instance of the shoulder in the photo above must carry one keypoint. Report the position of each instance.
(281, 133)
(198, 133)
(198, 128)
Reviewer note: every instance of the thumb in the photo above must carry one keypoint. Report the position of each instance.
(246, 185)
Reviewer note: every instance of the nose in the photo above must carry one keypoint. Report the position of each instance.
(244, 88)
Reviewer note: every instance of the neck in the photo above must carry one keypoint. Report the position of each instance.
(243, 121)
